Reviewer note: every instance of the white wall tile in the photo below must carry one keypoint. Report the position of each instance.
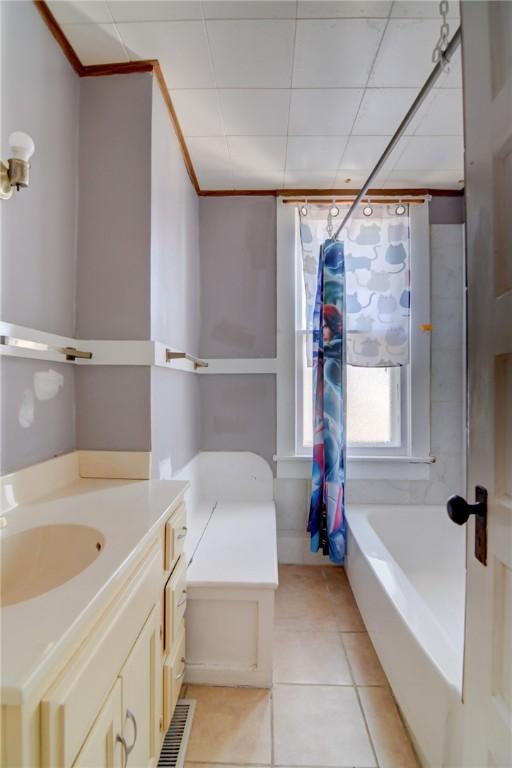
(382, 109)
(154, 10)
(258, 179)
(330, 9)
(444, 116)
(80, 11)
(249, 9)
(312, 179)
(257, 153)
(362, 152)
(405, 56)
(427, 152)
(252, 54)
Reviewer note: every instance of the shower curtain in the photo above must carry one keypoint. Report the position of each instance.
(327, 510)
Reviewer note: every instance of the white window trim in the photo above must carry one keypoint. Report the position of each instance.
(411, 463)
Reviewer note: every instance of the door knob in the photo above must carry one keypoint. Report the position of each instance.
(459, 510)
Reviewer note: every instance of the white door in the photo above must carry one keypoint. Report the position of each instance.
(487, 74)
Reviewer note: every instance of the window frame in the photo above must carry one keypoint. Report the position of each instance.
(413, 456)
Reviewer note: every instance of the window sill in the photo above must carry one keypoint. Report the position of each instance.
(362, 467)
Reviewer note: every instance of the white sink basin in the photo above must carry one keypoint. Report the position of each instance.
(39, 559)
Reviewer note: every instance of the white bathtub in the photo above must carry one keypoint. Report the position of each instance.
(406, 566)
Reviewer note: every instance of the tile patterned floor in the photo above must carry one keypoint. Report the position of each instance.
(330, 706)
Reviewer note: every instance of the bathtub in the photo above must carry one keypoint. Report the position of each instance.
(406, 567)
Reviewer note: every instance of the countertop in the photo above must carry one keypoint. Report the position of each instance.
(36, 632)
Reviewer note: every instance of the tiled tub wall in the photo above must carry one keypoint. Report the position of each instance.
(447, 411)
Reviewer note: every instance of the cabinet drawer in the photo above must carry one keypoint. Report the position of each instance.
(175, 604)
(175, 532)
(71, 705)
(174, 672)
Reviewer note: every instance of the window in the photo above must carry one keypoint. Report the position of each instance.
(388, 409)
(374, 395)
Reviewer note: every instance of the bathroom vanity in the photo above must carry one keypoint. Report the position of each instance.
(92, 667)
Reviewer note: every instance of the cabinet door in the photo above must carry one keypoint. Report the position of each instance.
(101, 748)
(141, 678)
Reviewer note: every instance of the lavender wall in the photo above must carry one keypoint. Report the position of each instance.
(40, 95)
(238, 276)
(238, 413)
(38, 411)
(114, 211)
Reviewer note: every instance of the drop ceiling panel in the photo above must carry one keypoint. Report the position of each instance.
(425, 153)
(277, 92)
(180, 46)
(382, 110)
(315, 153)
(84, 11)
(329, 111)
(97, 43)
(256, 153)
(336, 52)
(155, 10)
(318, 9)
(251, 111)
(252, 54)
(199, 112)
(405, 56)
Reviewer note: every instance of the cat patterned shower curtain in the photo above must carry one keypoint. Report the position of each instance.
(357, 308)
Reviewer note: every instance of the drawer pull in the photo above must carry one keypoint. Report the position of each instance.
(183, 599)
(121, 740)
(182, 673)
(183, 532)
(131, 716)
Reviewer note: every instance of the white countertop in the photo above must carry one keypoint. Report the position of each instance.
(34, 632)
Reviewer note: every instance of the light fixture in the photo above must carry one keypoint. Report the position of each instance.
(334, 210)
(367, 210)
(15, 172)
(400, 209)
(303, 210)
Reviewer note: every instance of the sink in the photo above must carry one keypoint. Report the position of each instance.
(42, 558)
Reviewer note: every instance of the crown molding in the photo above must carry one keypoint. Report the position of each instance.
(153, 66)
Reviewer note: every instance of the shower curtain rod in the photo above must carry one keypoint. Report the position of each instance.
(418, 101)
(346, 199)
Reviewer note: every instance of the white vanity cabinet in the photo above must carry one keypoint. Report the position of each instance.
(104, 704)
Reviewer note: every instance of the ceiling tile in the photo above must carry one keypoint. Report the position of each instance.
(198, 112)
(382, 109)
(252, 54)
(260, 180)
(330, 111)
(309, 179)
(257, 153)
(425, 178)
(346, 177)
(444, 115)
(254, 111)
(314, 153)
(330, 9)
(423, 9)
(180, 46)
(249, 9)
(405, 56)
(95, 43)
(209, 155)
(362, 152)
(432, 153)
(209, 180)
(335, 53)
(79, 11)
(155, 10)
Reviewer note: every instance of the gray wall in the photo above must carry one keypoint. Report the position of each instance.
(175, 420)
(238, 276)
(40, 95)
(113, 408)
(238, 413)
(38, 411)
(114, 219)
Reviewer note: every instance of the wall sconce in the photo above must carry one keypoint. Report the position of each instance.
(14, 173)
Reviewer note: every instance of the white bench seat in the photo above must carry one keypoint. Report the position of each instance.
(231, 553)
